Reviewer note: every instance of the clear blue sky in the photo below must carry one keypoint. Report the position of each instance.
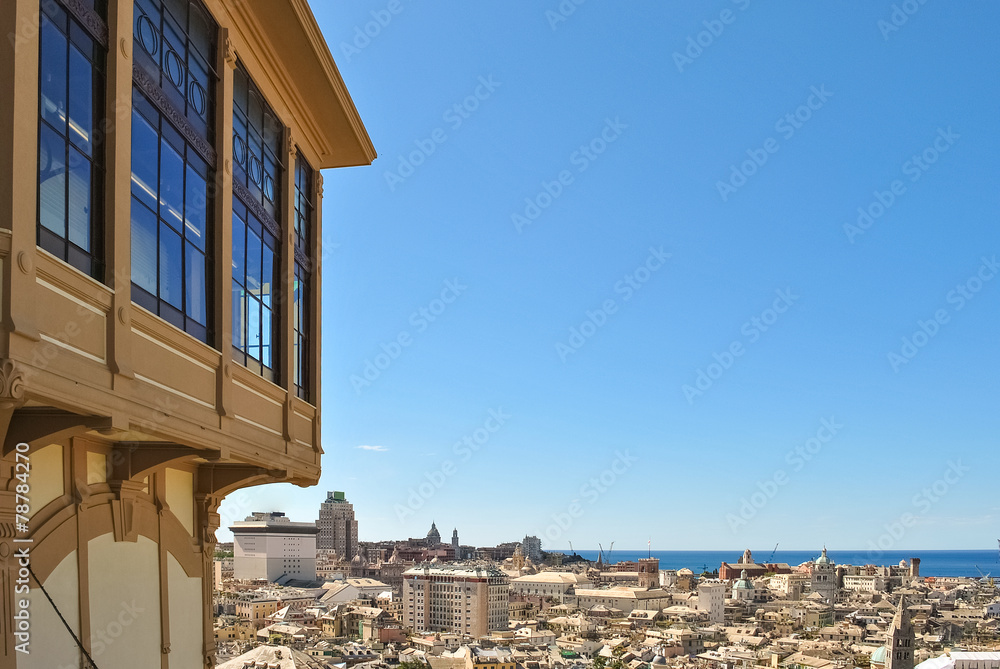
(666, 124)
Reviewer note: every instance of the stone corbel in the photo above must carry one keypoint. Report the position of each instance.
(124, 509)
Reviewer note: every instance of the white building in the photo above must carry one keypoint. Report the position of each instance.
(864, 583)
(549, 584)
(456, 598)
(712, 600)
(269, 546)
(962, 660)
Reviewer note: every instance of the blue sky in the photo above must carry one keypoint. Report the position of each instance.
(629, 269)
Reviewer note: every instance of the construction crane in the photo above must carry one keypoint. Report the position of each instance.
(985, 578)
(600, 556)
(571, 547)
(771, 559)
(610, 548)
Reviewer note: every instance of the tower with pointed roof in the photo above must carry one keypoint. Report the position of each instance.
(899, 639)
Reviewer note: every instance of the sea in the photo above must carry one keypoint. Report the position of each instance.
(932, 563)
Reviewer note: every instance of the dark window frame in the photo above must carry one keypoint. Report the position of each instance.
(191, 160)
(167, 48)
(82, 32)
(304, 225)
(257, 206)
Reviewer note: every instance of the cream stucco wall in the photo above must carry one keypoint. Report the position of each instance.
(124, 602)
(185, 617)
(46, 477)
(97, 468)
(51, 645)
(180, 496)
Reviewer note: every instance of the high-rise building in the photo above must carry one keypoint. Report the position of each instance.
(338, 530)
(456, 598)
(269, 545)
(532, 548)
(160, 260)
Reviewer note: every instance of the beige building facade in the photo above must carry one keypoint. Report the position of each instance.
(470, 600)
(160, 272)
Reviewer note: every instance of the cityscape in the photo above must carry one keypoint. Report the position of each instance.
(315, 589)
(556, 334)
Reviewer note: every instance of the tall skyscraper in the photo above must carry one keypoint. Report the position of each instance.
(338, 531)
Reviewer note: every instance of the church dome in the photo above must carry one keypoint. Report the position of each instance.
(880, 655)
(744, 583)
(824, 558)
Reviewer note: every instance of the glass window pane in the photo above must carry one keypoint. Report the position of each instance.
(239, 250)
(171, 186)
(144, 247)
(80, 196)
(195, 284)
(171, 267)
(265, 337)
(195, 206)
(253, 327)
(267, 277)
(145, 156)
(239, 317)
(81, 100)
(52, 181)
(253, 262)
(53, 68)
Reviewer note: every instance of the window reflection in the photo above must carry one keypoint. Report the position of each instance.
(70, 165)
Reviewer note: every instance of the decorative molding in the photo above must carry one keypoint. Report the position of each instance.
(11, 384)
(228, 51)
(302, 259)
(152, 91)
(256, 208)
(319, 184)
(89, 19)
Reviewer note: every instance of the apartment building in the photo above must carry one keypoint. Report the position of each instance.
(160, 265)
(470, 600)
